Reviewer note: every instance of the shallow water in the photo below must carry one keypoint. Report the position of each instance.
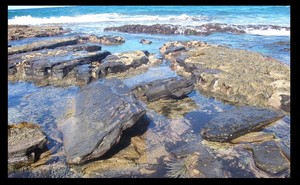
(45, 105)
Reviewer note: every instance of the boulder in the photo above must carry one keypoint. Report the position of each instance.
(165, 89)
(269, 158)
(96, 119)
(26, 141)
(144, 41)
(231, 124)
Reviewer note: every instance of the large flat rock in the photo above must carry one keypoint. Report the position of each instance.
(17, 32)
(96, 119)
(231, 124)
(232, 75)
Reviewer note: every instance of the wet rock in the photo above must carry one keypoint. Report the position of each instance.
(83, 74)
(17, 32)
(192, 160)
(166, 89)
(63, 68)
(26, 142)
(174, 49)
(96, 118)
(144, 41)
(48, 44)
(105, 39)
(121, 62)
(253, 137)
(237, 76)
(48, 66)
(269, 158)
(231, 124)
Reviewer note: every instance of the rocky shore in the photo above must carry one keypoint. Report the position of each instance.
(205, 29)
(232, 75)
(112, 130)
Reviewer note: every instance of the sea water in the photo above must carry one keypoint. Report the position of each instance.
(43, 105)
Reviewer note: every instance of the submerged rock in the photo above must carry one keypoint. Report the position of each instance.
(26, 141)
(96, 119)
(231, 124)
(269, 158)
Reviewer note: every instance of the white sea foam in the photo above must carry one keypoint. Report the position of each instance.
(117, 19)
(110, 17)
(269, 32)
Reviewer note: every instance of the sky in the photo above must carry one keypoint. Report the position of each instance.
(27, 7)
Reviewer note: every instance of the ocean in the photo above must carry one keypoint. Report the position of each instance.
(267, 31)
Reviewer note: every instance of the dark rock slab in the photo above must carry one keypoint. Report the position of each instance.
(25, 143)
(269, 158)
(48, 44)
(63, 68)
(96, 118)
(174, 49)
(165, 89)
(231, 124)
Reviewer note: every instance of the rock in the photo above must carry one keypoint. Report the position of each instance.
(83, 74)
(253, 137)
(192, 160)
(96, 118)
(63, 68)
(268, 157)
(232, 75)
(16, 32)
(165, 89)
(121, 62)
(174, 49)
(26, 142)
(50, 66)
(144, 41)
(105, 39)
(169, 29)
(231, 124)
(48, 44)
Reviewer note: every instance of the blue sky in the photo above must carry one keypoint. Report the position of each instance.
(28, 7)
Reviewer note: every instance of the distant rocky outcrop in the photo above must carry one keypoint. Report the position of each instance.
(96, 119)
(204, 29)
(232, 75)
(17, 32)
